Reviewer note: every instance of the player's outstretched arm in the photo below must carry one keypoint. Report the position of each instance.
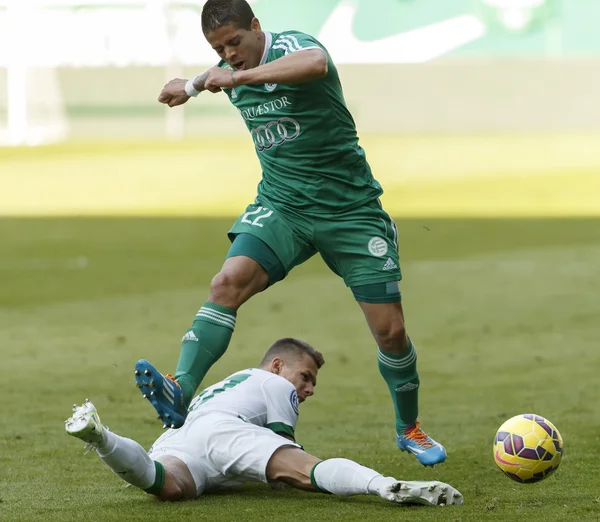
(179, 90)
(297, 67)
(344, 477)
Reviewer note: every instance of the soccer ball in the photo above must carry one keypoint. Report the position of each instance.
(528, 448)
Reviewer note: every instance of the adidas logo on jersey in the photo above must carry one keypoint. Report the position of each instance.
(389, 265)
(233, 93)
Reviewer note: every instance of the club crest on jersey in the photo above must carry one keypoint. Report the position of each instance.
(294, 401)
(270, 86)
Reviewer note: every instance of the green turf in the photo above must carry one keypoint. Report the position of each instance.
(503, 313)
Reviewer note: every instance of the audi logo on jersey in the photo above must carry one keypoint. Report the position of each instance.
(275, 133)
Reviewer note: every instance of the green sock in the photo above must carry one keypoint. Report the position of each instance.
(202, 345)
(159, 480)
(400, 374)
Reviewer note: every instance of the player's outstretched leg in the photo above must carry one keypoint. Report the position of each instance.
(345, 477)
(163, 392)
(124, 456)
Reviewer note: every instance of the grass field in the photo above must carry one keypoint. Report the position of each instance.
(504, 313)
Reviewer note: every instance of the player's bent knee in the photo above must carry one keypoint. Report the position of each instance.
(391, 334)
(392, 331)
(238, 280)
(226, 289)
(224, 284)
(386, 321)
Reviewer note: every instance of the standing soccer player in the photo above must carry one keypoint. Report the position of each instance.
(317, 194)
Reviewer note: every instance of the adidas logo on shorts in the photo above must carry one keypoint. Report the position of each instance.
(389, 265)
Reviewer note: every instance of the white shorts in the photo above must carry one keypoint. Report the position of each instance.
(221, 450)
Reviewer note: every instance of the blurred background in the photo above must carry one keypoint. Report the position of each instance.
(467, 92)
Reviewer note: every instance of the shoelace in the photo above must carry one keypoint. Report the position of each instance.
(419, 436)
(171, 378)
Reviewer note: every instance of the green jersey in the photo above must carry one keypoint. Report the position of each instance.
(305, 137)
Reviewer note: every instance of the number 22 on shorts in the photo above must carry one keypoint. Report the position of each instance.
(255, 222)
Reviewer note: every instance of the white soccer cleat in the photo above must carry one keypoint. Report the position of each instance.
(85, 424)
(432, 493)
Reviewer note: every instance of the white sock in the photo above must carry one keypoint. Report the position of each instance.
(127, 459)
(345, 477)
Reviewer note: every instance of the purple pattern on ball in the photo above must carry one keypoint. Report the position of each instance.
(540, 450)
(518, 442)
(528, 453)
(516, 478)
(501, 436)
(547, 428)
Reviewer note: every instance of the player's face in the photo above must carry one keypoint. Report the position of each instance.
(240, 48)
(302, 373)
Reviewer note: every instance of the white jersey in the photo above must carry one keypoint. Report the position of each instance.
(256, 396)
(233, 429)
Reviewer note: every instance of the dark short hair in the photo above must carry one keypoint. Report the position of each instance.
(295, 348)
(217, 13)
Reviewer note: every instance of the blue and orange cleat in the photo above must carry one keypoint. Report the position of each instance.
(416, 441)
(163, 392)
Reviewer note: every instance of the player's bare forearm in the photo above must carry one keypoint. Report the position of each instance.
(199, 81)
(298, 67)
(174, 94)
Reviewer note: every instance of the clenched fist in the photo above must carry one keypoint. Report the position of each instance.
(173, 93)
(219, 78)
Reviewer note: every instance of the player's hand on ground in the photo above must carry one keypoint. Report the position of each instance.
(173, 93)
(218, 78)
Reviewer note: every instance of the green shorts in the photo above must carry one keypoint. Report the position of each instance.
(360, 245)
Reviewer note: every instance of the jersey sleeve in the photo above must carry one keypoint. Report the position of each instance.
(282, 405)
(294, 41)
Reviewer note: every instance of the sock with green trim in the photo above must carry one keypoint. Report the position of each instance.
(345, 477)
(202, 345)
(400, 374)
(131, 462)
(159, 479)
